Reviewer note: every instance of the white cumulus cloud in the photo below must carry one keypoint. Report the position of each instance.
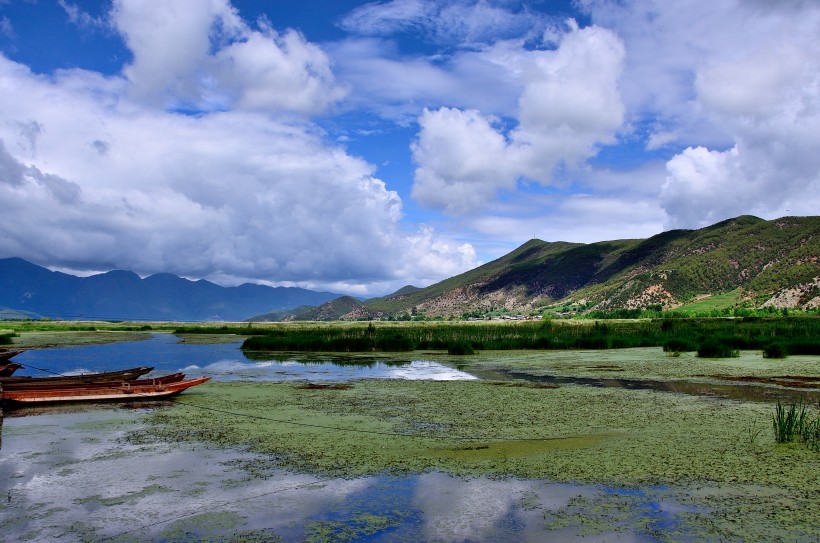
(97, 173)
(737, 83)
(200, 54)
(569, 105)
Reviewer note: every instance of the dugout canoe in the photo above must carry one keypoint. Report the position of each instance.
(29, 385)
(144, 389)
(81, 378)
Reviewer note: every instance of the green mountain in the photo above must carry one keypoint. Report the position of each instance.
(745, 260)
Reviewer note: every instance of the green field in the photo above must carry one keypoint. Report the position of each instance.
(721, 301)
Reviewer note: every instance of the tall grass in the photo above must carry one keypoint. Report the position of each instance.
(775, 350)
(811, 433)
(460, 347)
(6, 339)
(710, 337)
(795, 421)
(789, 422)
(716, 347)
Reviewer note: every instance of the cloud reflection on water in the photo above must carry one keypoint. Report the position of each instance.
(74, 476)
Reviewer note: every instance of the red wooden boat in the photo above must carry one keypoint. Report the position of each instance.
(28, 385)
(81, 378)
(142, 389)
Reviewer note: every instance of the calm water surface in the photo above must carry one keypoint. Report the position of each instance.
(225, 362)
(71, 474)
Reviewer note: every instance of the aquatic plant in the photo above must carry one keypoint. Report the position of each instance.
(788, 422)
(679, 345)
(775, 350)
(712, 347)
(811, 433)
(754, 433)
(460, 347)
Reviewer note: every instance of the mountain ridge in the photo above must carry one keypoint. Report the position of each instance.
(763, 263)
(123, 295)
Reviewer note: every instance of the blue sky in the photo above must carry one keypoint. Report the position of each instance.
(362, 146)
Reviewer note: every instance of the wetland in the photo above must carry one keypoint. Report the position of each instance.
(616, 445)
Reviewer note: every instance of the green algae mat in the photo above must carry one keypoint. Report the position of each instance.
(720, 454)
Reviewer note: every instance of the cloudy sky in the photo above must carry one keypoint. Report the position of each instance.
(361, 146)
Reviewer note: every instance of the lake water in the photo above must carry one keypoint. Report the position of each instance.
(70, 474)
(225, 362)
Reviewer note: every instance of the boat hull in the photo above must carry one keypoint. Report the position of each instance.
(99, 393)
(83, 378)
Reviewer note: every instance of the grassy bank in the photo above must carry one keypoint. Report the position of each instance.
(65, 338)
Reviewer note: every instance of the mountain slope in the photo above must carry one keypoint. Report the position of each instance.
(328, 311)
(769, 262)
(123, 295)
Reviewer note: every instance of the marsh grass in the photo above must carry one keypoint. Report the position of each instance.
(460, 347)
(775, 350)
(713, 347)
(811, 433)
(789, 422)
(7, 338)
(711, 338)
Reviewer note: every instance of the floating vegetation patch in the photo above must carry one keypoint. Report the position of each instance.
(615, 435)
(522, 384)
(353, 528)
(214, 527)
(611, 513)
(323, 386)
(500, 450)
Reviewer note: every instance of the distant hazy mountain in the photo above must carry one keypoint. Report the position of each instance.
(123, 295)
(745, 260)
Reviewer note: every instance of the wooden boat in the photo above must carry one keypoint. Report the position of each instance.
(142, 389)
(29, 385)
(82, 378)
(8, 368)
(7, 354)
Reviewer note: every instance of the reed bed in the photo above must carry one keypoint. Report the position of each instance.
(712, 338)
(795, 422)
(788, 422)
